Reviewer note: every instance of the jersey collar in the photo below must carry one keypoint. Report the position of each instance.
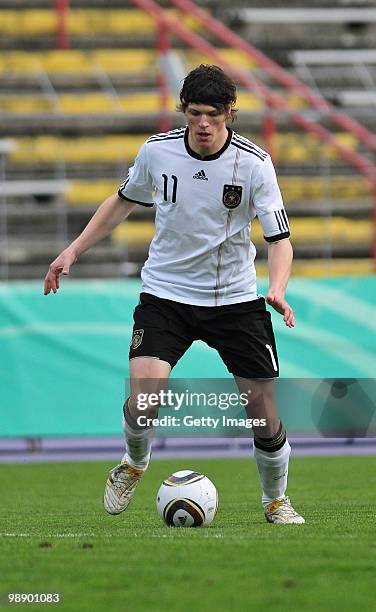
(207, 157)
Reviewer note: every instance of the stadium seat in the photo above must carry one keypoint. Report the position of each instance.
(87, 22)
(124, 60)
(308, 149)
(77, 62)
(332, 267)
(309, 230)
(108, 149)
(144, 103)
(20, 62)
(133, 233)
(300, 188)
(319, 230)
(240, 59)
(71, 61)
(92, 193)
(94, 21)
(26, 104)
(89, 103)
(289, 148)
(332, 229)
(27, 22)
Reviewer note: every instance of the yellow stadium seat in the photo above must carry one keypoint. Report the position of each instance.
(348, 140)
(107, 149)
(126, 21)
(87, 103)
(124, 60)
(26, 104)
(300, 188)
(310, 230)
(92, 193)
(118, 22)
(71, 61)
(295, 101)
(133, 233)
(248, 102)
(319, 230)
(334, 229)
(238, 58)
(9, 22)
(332, 267)
(307, 148)
(27, 22)
(77, 62)
(20, 62)
(144, 103)
(37, 22)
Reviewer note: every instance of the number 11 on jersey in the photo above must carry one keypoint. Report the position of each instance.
(165, 187)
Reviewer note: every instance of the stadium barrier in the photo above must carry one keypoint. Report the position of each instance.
(65, 356)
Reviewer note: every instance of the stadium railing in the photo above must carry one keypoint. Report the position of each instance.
(271, 99)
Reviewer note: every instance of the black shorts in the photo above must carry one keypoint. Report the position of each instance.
(241, 333)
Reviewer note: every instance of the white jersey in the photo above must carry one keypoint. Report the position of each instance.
(202, 253)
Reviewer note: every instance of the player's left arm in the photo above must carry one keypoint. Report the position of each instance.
(268, 203)
(280, 256)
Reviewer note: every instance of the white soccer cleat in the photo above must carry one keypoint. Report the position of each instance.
(281, 512)
(120, 487)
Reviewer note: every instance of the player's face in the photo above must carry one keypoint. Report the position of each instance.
(207, 128)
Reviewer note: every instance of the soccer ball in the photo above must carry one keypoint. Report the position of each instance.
(187, 499)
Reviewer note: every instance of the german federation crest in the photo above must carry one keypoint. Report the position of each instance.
(232, 196)
(138, 334)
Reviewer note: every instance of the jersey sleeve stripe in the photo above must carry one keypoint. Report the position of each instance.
(236, 144)
(285, 218)
(179, 133)
(123, 197)
(170, 133)
(282, 223)
(166, 134)
(250, 144)
(278, 220)
(165, 138)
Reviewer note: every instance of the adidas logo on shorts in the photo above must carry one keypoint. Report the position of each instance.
(200, 175)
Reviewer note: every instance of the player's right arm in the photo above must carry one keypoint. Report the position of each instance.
(110, 213)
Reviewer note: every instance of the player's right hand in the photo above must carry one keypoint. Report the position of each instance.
(61, 265)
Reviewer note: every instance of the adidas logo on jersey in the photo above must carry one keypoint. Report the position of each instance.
(200, 175)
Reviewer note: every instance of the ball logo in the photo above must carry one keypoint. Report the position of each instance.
(232, 196)
(137, 337)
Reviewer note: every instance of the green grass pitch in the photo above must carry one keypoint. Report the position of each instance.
(55, 537)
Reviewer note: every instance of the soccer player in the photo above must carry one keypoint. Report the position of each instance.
(199, 281)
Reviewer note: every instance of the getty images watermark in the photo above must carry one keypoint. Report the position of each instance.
(315, 407)
(178, 401)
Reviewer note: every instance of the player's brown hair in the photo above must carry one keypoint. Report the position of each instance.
(208, 84)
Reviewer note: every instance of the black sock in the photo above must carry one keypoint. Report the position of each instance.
(271, 445)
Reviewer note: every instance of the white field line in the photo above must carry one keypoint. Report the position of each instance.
(92, 535)
(47, 535)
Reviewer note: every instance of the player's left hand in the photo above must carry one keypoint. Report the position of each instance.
(279, 304)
